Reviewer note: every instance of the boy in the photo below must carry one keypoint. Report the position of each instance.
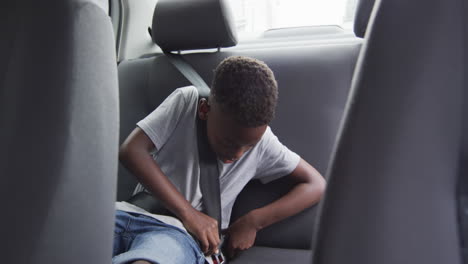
(162, 153)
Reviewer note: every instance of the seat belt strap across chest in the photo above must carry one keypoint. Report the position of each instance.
(209, 172)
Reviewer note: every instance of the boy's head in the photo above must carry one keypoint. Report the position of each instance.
(242, 103)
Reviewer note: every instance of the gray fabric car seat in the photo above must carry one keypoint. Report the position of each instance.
(362, 16)
(314, 81)
(59, 132)
(391, 190)
(462, 183)
(462, 188)
(322, 95)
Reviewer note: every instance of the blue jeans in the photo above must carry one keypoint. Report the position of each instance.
(140, 237)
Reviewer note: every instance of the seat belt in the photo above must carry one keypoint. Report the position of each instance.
(209, 172)
(189, 73)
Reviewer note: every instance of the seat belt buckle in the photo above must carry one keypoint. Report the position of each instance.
(218, 258)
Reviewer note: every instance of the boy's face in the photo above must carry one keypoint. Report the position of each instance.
(227, 138)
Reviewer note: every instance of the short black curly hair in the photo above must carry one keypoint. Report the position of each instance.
(246, 89)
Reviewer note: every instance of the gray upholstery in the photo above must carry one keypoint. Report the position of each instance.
(362, 16)
(391, 189)
(193, 24)
(265, 255)
(462, 182)
(59, 132)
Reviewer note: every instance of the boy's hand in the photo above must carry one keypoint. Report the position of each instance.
(241, 234)
(205, 229)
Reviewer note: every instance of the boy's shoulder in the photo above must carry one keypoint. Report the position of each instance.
(266, 137)
(182, 98)
(188, 92)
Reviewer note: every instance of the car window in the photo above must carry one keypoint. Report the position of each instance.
(254, 16)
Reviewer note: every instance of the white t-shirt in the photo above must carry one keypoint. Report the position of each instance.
(172, 129)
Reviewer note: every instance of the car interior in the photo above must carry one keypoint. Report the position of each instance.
(381, 112)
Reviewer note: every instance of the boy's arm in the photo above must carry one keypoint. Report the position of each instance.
(310, 186)
(134, 154)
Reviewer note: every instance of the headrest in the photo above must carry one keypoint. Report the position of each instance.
(361, 19)
(193, 24)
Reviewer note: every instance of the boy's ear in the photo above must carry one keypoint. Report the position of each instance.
(203, 109)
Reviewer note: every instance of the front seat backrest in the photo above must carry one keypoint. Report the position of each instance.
(59, 132)
(391, 189)
(361, 19)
